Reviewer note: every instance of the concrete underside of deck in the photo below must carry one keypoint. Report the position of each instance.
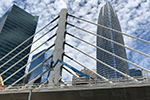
(105, 92)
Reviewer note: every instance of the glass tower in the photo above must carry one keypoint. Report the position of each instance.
(41, 68)
(16, 25)
(108, 18)
(135, 72)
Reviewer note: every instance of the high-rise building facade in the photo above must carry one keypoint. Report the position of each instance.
(42, 67)
(16, 25)
(108, 18)
(135, 72)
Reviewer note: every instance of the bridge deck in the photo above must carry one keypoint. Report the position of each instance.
(103, 92)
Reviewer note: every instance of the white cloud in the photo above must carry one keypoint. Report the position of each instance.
(46, 1)
(31, 2)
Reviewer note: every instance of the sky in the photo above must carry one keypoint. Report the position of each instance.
(134, 17)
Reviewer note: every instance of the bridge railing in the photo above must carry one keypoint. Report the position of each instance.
(77, 82)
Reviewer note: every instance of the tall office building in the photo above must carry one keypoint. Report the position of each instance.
(108, 18)
(16, 25)
(135, 72)
(41, 68)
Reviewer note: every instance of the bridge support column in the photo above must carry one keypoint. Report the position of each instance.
(55, 75)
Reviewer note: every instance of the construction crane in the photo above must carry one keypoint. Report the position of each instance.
(72, 68)
(67, 67)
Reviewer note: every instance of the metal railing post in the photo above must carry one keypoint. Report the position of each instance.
(30, 93)
(58, 52)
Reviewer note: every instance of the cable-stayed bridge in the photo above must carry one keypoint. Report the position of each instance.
(126, 88)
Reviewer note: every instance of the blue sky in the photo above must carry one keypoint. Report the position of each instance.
(134, 17)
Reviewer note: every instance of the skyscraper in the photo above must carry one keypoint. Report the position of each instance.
(41, 68)
(108, 18)
(136, 72)
(16, 25)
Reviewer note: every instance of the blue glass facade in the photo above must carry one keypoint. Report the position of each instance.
(16, 25)
(41, 68)
(108, 18)
(135, 72)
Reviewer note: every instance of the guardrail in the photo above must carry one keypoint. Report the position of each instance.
(77, 82)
